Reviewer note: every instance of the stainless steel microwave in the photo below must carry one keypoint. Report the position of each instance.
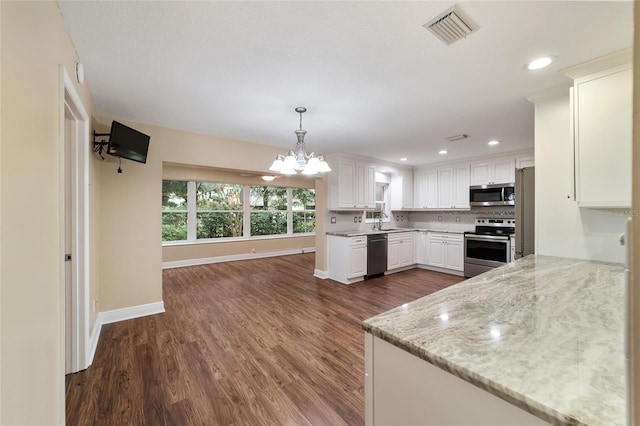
(502, 194)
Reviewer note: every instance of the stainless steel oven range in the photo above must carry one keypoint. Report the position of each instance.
(489, 246)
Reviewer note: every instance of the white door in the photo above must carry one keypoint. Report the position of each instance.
(69, 126)
(74, 126)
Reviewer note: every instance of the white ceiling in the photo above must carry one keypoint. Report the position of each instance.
(375, 82)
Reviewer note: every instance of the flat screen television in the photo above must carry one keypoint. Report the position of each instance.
(128, 143)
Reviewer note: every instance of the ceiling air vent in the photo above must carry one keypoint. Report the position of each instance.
(451, 26)
(457, 138)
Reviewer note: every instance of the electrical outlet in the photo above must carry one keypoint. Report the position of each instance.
(439, 218)
(359, 218)
(397, 218)
(402, 218)
(333, 219)
(355, 219)
(457, 218)
(253, 251)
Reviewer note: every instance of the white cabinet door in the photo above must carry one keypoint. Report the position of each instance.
(393, 254)
(351, 185)
(405, 251)
(420, 189)
(454, 255)
(365, 186)
(479, 173)
(493, 171)
(347, 258)
(602, 137)
(420, 247)
(425, 189)
(346, 184)
(358, 261)
(436, 253)
(401, 191)
(407, 190)
(504, 171)
(453, 187)
(445, 251)
(432, 189)
(399, 250)
(461, 187)
(445, 188)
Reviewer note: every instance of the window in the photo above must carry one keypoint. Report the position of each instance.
(174, 210)
(304, 210)
(194, 211)
(268, 210)
(218, 210)
(382, 204)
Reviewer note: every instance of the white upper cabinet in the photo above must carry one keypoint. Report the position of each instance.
(425, 189)
(493, 171)
(453, 187)
(402, 191)
(602, 119)
(351, 185)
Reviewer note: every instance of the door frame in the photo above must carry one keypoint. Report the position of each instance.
(71, 101)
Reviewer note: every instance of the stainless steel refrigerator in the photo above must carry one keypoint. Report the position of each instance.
(525, 211)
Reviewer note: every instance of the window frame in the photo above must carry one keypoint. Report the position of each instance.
(246, 212)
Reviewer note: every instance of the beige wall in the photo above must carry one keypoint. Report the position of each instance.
(34, 43)
(131, 247)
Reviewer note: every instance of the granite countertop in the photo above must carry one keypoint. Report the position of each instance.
(544, 333)
(361, 232)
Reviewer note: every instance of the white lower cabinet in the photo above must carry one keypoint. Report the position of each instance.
(445, 250)
(420, 247)
(402, 389)
(347, 258)
(399, 250)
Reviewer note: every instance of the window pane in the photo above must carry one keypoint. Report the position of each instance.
(219, 225)
(304, 199)
(218, 196)
(268, 198)
(304, 222)
(268, 223)
(174, 226)
(174, 195)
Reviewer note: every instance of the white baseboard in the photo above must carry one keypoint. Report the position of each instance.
(321, 274)
(108, 317)
(233, 257)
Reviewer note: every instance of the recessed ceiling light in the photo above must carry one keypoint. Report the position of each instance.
(268, 178)
(403, 159)
(538, 63)
(442, 152)
(494, 142)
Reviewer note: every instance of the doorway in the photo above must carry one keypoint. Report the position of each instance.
(75, 150)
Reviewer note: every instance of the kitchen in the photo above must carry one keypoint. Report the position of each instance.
(437, 243)
(555, 275)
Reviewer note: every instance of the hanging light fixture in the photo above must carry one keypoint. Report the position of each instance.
(298, 160)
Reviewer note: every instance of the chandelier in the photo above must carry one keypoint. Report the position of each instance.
(298, 160)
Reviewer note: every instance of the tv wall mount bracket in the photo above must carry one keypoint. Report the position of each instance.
(99, 145)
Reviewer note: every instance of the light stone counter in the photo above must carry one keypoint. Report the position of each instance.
(544, 333)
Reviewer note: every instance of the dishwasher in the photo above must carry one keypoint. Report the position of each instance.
(376, 255)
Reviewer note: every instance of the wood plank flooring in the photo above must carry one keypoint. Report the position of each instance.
(255, 342)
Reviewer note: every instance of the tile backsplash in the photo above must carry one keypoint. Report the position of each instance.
(445, 220)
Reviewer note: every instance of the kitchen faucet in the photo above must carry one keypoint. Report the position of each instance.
(380, 220)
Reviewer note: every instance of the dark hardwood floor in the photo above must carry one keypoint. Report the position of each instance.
(255, 342)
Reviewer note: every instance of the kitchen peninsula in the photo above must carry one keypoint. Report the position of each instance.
(544, 334)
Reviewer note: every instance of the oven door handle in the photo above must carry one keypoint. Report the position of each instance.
(487, 237)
